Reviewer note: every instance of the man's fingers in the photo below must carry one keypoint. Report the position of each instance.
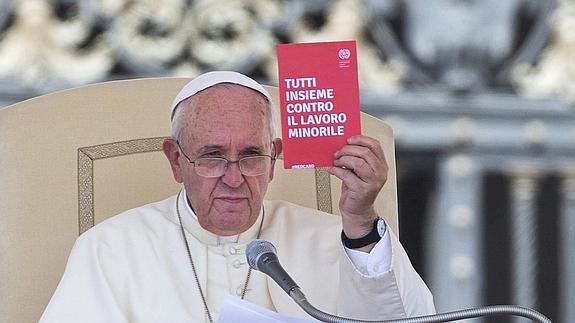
(347, 175)
(364, 147)
(358, 166)
(365, 157)
(371, 143)
(365, 154)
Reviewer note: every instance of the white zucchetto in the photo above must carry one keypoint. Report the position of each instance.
(209, 79)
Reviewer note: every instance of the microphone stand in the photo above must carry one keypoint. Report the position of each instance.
(261, 256)
(297, 295)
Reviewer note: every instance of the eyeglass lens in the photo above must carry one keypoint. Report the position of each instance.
(216, 167)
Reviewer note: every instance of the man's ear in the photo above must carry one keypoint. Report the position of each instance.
(277, 143)
(171, 151)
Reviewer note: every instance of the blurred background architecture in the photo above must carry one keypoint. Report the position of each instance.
(480, 93)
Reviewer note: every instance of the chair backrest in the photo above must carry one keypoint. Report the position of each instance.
(74, 158)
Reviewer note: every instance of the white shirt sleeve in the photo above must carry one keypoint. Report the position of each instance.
(377, 261)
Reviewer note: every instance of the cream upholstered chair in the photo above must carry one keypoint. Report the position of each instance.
(73, 158)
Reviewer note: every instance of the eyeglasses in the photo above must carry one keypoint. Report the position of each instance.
(254, 165)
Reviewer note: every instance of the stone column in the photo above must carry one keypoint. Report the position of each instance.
(567, 251)
(524, 257)
(454, 236)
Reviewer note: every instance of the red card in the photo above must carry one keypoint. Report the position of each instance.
(319, 97)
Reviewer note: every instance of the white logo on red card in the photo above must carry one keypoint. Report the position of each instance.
(344, 53)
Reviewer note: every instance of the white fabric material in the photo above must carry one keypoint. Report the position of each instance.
(375, 262)
(134, 268)
(369, 264)
(206, 80)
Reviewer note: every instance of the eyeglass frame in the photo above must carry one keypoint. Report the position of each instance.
(228, 162)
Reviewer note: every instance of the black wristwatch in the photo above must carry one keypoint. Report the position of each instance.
(375, 235)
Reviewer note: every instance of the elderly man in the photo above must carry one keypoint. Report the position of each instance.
(174, 260)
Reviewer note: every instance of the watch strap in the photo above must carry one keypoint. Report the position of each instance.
(371, 237)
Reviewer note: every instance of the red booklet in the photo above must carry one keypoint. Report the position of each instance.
(319, 97)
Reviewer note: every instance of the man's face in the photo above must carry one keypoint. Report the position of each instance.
(230, 122)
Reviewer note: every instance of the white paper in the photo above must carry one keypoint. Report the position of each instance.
(236, 310)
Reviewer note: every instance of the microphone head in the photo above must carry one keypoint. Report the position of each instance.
(256, 249)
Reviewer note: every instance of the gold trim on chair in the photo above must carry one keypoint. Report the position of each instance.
(86, 158)
(323, 190)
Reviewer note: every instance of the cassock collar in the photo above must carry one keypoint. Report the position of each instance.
(191, 224)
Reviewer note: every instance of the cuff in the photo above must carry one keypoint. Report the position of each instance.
(377, 262)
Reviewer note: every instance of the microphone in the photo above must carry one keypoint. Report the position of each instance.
(261, 255)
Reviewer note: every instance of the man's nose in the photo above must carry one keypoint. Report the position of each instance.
(233, 176)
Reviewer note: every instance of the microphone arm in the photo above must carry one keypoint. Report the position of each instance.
(494, 310)
(261, 256)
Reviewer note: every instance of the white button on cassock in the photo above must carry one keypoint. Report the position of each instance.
(237, 263)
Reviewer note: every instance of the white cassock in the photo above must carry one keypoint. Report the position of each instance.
(134, 267)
